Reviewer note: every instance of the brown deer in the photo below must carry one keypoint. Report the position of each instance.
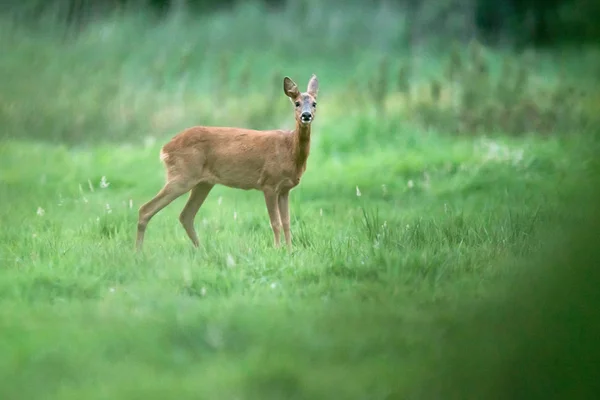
(271, 161)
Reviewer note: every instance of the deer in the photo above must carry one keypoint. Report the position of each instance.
(272, 161)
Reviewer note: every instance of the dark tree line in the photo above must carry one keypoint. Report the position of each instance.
(539, 22)
(530, 22)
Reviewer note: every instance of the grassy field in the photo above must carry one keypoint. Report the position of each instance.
(400, 227)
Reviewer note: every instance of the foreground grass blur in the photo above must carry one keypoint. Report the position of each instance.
(399, 226)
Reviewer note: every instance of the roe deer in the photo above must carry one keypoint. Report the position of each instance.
(271, 161)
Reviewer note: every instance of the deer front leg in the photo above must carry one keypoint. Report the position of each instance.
(172, 190)
(271, 199)
(284, 212)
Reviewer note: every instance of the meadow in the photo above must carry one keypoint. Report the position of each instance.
(435, 178)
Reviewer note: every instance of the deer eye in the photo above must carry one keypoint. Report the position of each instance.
(297, 104)
(314, 104)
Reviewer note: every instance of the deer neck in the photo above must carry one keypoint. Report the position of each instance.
(301, 146)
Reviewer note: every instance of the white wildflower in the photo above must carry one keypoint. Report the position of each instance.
(410, 184)
(103, 183)
(40, 211)
(108, 209)
(493, 151)
(187, 275)
(149, 141)
(230, 261)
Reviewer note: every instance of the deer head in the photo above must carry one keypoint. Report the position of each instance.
(305, 103)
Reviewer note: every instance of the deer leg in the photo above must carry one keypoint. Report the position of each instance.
(284, 212)
(195, 201)
(273, 208)
(171, 191)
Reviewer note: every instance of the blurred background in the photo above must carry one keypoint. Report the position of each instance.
(83, 70)
(445, 229)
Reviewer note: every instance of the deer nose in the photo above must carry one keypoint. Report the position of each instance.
(306, 116)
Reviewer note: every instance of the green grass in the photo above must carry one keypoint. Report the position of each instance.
(400, 229)
(355, 311)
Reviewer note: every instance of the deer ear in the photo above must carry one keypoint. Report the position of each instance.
(313, 86)
(290, 88)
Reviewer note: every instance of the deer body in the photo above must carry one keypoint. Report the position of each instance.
(238, 158)
(271, 161)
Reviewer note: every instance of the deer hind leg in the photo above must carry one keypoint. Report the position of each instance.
(172, 190)
(284, 212)
(195, 201)
(271, 199)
